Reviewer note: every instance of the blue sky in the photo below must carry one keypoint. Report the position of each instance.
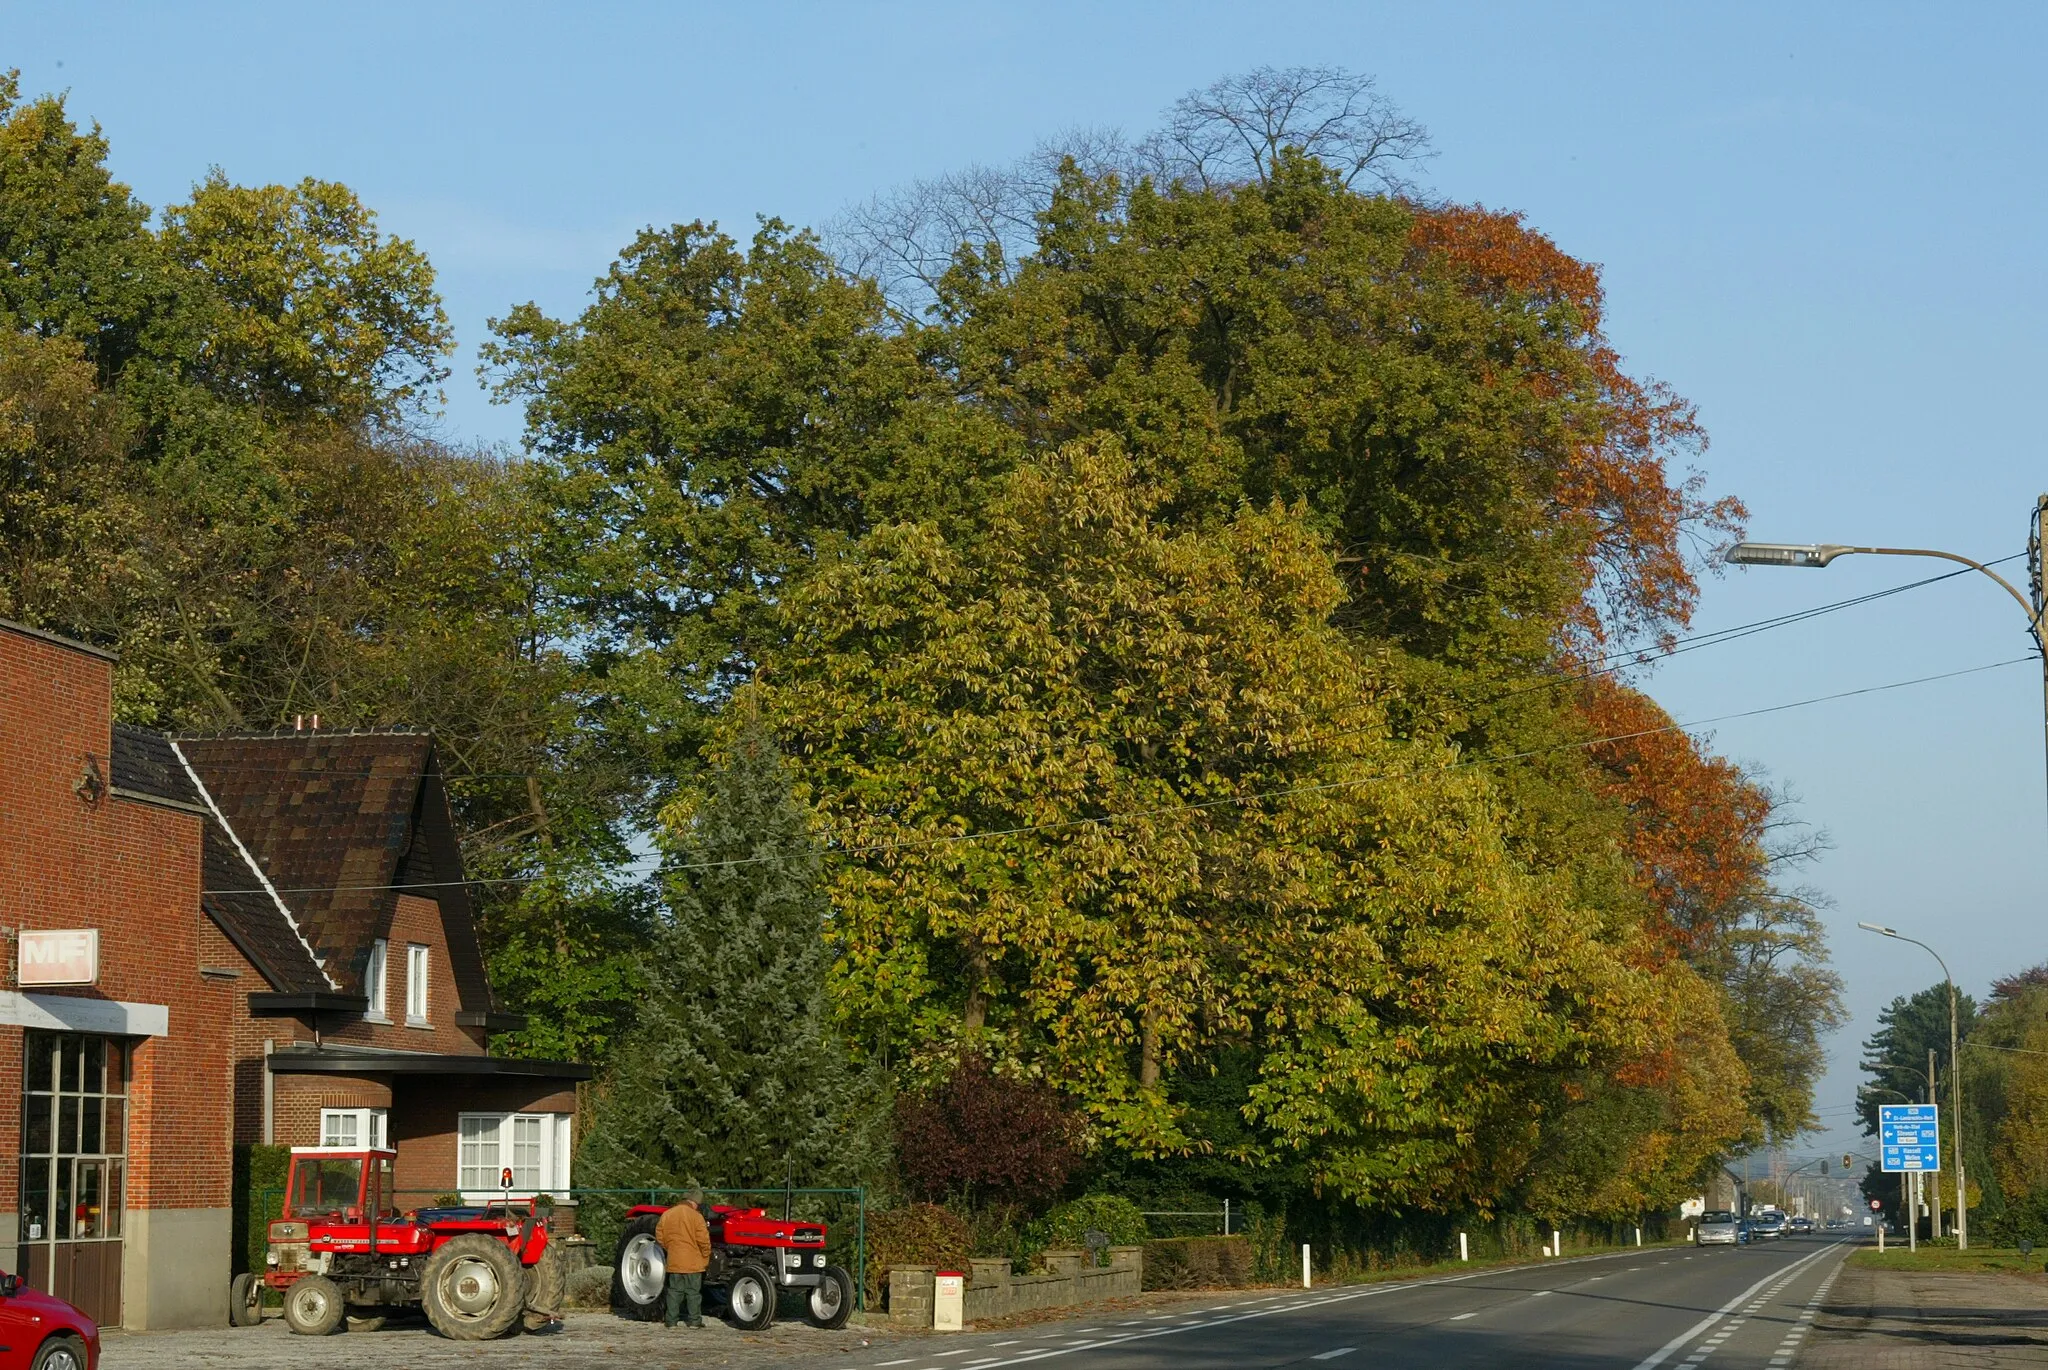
(1824, 226)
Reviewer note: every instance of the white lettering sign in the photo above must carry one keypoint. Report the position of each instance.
(59, 956)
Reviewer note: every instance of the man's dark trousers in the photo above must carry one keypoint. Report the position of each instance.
(685, 1289)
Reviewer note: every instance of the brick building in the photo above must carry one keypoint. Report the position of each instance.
(222, 940)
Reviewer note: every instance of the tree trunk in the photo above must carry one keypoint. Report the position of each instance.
(976, 1016)
(1148, 1050)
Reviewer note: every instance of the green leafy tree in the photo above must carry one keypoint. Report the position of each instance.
(731, 1073)
(1191, 827)
(310, 310)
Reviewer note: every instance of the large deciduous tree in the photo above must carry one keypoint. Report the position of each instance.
(1115, 796)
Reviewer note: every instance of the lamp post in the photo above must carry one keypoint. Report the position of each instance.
(1955, 1080)
(1817, 555)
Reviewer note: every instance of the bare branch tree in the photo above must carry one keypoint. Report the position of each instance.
(1235, 131)
(1229, 134)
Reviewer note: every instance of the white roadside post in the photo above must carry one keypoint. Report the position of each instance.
(1464, 1252)
(1639, 1236)
(1556, 1243)
(949, 1300)
(1304, 1266)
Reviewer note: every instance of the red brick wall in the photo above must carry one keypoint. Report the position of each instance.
(298, 1100)
(130, 869)
(415, 920)
(423, 1118)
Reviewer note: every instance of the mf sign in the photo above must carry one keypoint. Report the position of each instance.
(58, 956)
(1909, 1136)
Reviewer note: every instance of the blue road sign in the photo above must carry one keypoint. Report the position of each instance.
(1909, 1136)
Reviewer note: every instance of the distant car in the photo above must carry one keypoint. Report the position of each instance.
(1718, 1227)
(40, 1331)
(1767, 1226)
(1802, 1224)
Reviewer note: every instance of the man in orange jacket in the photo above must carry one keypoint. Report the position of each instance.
(686, 1248)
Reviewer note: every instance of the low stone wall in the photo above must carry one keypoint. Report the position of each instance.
(993, 1292)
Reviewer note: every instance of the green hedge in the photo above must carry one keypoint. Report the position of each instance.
(1199, 1263)
(259, 1176)
(1068, 1225)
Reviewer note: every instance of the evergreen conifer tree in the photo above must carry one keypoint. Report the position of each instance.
(731, 1073)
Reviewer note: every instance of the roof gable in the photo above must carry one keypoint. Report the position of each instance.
(337, 824)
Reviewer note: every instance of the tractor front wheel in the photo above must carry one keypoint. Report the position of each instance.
(639, 1271)
(750, 1298)
(472, 1288)
(313, 1306)
(546, 1285)
(831, 1300)
(245, 1300)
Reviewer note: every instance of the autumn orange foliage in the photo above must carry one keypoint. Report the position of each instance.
(1696, 822)
(1616, 479)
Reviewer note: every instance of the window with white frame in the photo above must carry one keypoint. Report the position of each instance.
(374, 978)
(534, 1145)
(353, 1127)
(416, 985)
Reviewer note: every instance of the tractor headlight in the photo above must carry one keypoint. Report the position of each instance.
(819, 1260)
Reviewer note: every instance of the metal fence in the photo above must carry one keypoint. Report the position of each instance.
(1193, 1222)
(606, 1209)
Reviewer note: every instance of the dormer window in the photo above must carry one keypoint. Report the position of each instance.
(416, 985)
(374, 979)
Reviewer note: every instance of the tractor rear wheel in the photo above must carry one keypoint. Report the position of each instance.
(831, 1300)
(639, 1271)
(313, 1306)
(473, 1288)
(750, 1298)
(245, 1300)
(546, 1285)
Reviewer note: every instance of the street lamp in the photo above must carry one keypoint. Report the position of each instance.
(1955, 1081)
(1817, 555)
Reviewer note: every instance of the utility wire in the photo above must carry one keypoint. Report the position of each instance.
(1620, 657)
(945, 839)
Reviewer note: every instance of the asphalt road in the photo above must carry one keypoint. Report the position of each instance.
(1719, 1307)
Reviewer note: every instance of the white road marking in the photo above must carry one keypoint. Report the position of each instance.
(1784, 1275)
(1332, 1355)
(1029, 1355)
(1542, 1293)
(1462, 1316)
(1011, 1342)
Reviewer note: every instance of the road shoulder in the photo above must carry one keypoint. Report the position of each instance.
(1930, 1320)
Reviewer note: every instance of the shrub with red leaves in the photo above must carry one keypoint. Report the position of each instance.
(985, 1137)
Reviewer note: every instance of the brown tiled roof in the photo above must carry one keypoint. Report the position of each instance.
(333, 820)
(252, 920)
(145, 764)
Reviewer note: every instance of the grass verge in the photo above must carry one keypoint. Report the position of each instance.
(1948, 1258)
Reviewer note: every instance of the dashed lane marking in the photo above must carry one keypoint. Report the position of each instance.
(1462, 1316)
(1781, 1276)
(1332, 1355)
(1027, 1355)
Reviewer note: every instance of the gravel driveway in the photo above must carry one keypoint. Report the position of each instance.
(585, 1341)
(600, 1341)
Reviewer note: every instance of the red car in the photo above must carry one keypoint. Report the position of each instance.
(39, 1331)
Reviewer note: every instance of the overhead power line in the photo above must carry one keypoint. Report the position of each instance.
(944, 839)
(1620, 659)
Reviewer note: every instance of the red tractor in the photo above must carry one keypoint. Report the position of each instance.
(753, 1259)
(342, 1247)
